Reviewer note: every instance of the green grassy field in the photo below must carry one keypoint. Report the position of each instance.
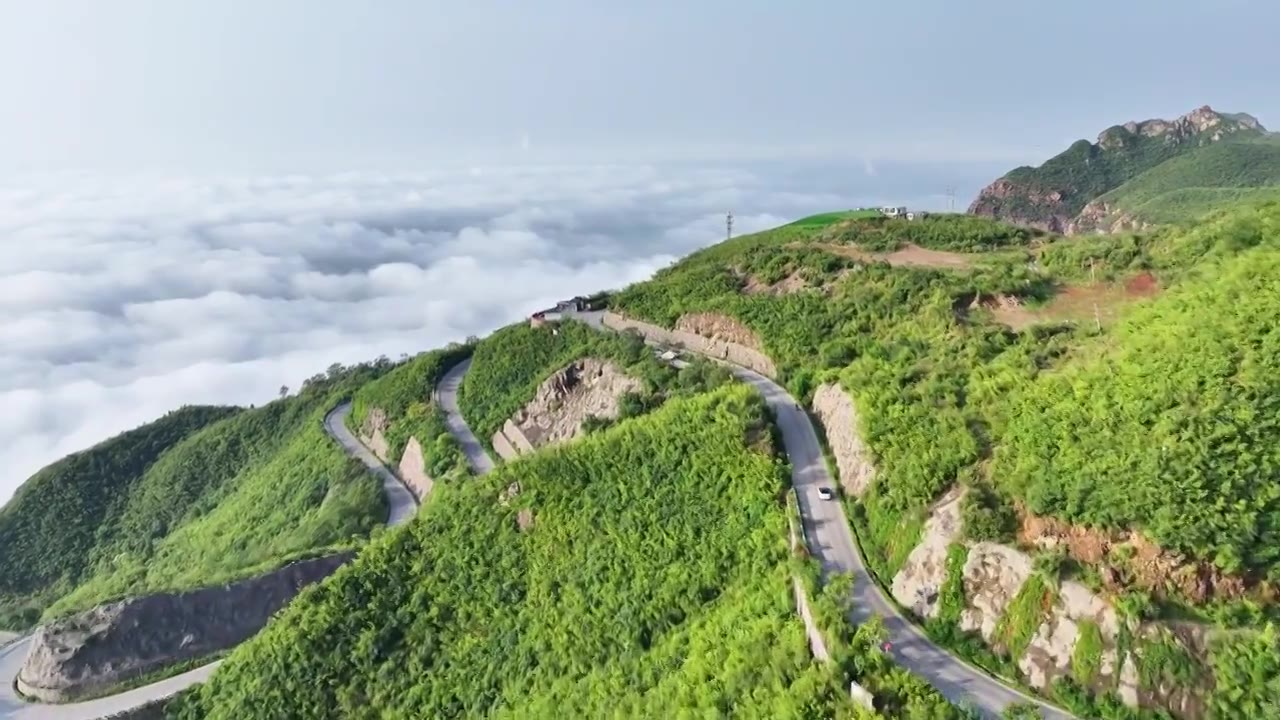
(831, 218)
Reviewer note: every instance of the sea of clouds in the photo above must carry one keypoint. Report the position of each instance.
(124, 298)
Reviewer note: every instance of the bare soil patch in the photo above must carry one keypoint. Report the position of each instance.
(1103, 303)
(914, 255)
(906, 256)
(1078, 302)
(792, 283)
(1142, 285)
(1005, 309)
(1129, 559)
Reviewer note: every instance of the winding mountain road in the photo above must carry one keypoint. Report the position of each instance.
(447, 396)
(830, 538)
(401, 507)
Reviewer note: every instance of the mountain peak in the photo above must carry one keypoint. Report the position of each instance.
(1201, 120)
(1052, 195)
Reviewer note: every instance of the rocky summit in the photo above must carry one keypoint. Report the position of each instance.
(1062, 194)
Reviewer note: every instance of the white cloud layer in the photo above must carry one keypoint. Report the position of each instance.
(121, 299)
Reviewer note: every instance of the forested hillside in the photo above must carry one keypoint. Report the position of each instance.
(638, 572)
(925, 383)
(1173, 427)
(508, 366)
(201, 496)
(49, 528)
(404, 397)
(991, 370)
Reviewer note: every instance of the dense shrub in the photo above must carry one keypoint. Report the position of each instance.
(654, 578)
(405, 396)
(201, 496)
(509, 365)
(1175, 428)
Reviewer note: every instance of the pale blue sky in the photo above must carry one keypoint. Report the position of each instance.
(306, 84)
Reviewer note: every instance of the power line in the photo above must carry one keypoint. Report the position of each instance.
(951, 197)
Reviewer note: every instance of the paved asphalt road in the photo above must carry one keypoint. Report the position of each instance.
(401, 502)
(447, 396)
(402, 507)
(828, 534)
(830, 539)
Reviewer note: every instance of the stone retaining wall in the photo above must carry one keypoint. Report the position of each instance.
(517, 437)
(503, 447)
(713, 347)
(413, 470)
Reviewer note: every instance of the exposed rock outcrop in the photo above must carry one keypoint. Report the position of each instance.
(583, 389)
(1040, 208)
(721, 338)
(792, 283)
(413, 470)
(919, 582)
(110, 644)
(839, 418)
(1048, 656)
(524, 519)
(1128, 559)
(718, 327)
(509, 493)
(1182, 699)
(993, 575)
(1100, 216)
(371, 433)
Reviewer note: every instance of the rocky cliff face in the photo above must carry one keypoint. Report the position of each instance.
(1100, 216)
(413, 469)
(718, 327)
(94, 650)
(1055, 195)
(1023, 203)
(1080, 636)
(993, 575)
(371, 433)
(839, 419)
(584, 388)
(919, 583)
(1049, 654)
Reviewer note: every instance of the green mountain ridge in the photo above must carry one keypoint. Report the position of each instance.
(644, 567)
(1087, 187)
(198, 497)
